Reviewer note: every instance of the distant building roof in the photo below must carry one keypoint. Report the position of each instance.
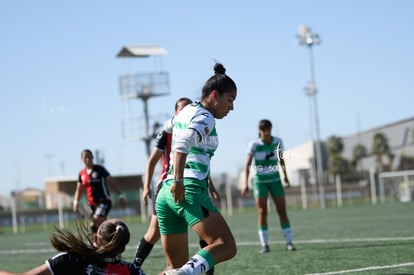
(384, 126)
(399, 134)
(75, 178)
(141, 51)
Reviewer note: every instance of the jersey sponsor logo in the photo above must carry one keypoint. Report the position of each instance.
(89, 269)
(192, 262)
(269, 155)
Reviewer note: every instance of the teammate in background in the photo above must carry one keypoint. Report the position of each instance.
(82, 255)
(162, 150)
(93, 179)
(183, 199)
(267, 153)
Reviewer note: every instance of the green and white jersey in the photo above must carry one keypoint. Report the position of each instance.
(266, 159)
(194, 134)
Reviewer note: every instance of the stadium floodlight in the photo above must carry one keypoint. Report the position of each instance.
(309, 39)
(143, 86)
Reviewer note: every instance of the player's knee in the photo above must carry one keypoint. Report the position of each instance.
(231, 249)
(262, 211)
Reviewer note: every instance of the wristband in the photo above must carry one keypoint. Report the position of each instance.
(178, 180)
(75, 202)
(121, 196)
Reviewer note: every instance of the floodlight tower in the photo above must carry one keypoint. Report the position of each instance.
(141, 86)
(309, 39)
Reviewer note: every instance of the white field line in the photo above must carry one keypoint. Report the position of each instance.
(364, 269)
(386, 239)
(133, 246)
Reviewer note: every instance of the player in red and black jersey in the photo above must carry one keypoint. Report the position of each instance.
(161, 150)
(93, 179)
(82, 255)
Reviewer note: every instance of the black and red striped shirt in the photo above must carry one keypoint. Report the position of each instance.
(70, 264)
(95, 184)
(163, 143)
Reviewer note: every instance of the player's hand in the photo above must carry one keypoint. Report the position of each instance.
(245, 190)
(287, 182)
(214, 193)
(177, 190)
(76, 206)
(146, 193)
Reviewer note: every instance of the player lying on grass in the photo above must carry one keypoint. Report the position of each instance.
(82, 254)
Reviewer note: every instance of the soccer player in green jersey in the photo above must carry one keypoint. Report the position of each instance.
(268, 158)
(162, 150)
(183, 199)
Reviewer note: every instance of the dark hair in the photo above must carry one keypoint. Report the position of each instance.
(113, 236)
(87, 151)
(265, 124)
(219, 81)
(186, 99)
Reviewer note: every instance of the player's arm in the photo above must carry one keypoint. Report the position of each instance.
(40, 270)
(177, 188)
(181, 148)
(77, 196)
(213, 191)
(160, 145)
(284, 171)
(155, 156)
(245, 188)
(282, 164)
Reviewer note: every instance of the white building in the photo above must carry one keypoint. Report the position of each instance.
(400, 135)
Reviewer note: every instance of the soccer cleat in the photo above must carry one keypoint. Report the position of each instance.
(176, 271)
(264, 249)
(290, 247)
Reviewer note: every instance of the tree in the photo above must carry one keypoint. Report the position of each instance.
(358, 153)
(335, 145)
(381, 148)
(337, 164)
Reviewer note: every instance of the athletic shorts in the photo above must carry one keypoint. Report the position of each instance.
(101, 209)
(261, 189)
(174, 218)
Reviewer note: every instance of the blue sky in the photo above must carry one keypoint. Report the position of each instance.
(59, 74)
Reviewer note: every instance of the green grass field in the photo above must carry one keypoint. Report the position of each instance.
(350, 240)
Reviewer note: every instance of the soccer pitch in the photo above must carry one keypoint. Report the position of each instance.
(370, 239)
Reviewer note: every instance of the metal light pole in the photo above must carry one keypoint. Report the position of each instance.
(143, 86)
(307, 38)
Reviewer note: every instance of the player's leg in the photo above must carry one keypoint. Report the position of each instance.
(260, 193)
(175, 248)
(203, 244)
(147, 242)
(152, 235)
(278, 196)
(221, 245)
(173, 229)
(100, 215)
(262, 225)
(205, 219)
